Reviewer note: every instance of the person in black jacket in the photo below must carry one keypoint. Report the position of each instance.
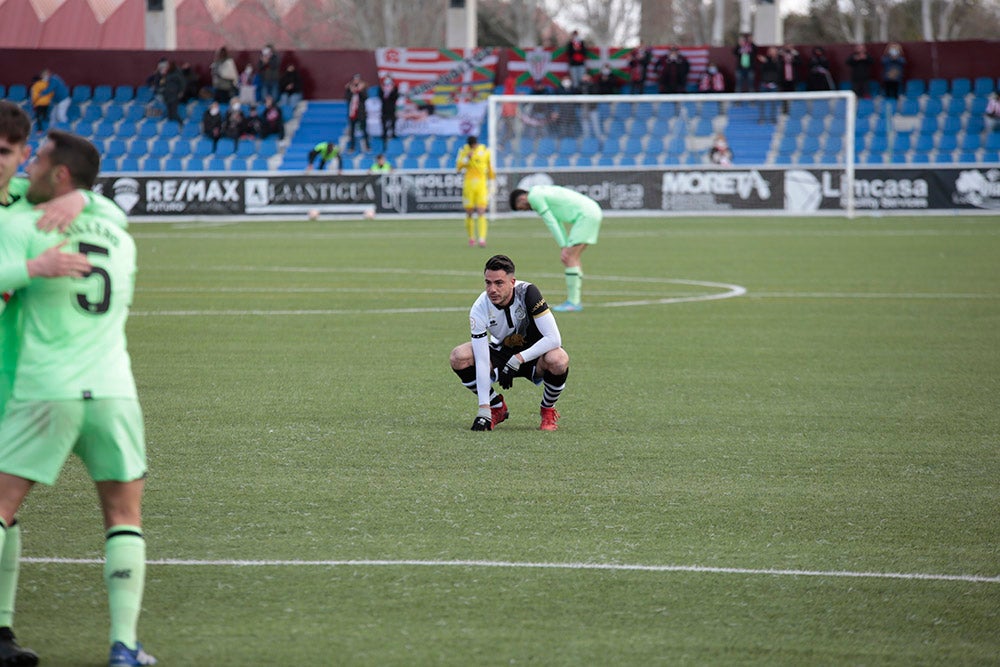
(168, 87)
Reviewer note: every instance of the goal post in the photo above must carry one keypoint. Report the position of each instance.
(801, 135)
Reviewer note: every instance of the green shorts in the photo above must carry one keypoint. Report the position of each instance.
(37, 437)
(586, 226)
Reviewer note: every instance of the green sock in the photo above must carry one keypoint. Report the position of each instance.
(125, 578)
(10, 564)
(574, 283)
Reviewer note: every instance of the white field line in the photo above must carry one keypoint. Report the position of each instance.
(615, 567)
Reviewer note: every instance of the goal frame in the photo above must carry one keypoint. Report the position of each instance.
(847, 165)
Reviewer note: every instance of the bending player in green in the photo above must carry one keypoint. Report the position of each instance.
(73, 387)
(561, 206)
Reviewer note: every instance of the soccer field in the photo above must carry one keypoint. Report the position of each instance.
(778, 446)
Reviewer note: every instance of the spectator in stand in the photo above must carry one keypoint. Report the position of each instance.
(790, 63)
(638, 67)
(576, 54)
(820, 77)
(225, 76)
(860, 64)
(254, 123)
(993, 112)
(381, 165)
(607, 82)
(41, 101)
(291, 86)
(248, 86)
(720, 153)
(192, 83)
(508, 128)
(712, 80)
(268, 73)
(672, 72)
(356, 92)
(893, 66)
(770, 81)
(235, 126)
(60, 98)
(590, 113)
(746, 56)
(388, 94)
(325, 151)
(274, 121)
(212, 122)
(168, 87)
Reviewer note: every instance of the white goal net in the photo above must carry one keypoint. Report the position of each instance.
(804, 140)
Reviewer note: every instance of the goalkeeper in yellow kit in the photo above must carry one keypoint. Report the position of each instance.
(476, 162)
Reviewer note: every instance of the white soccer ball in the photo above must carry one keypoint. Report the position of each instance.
(369, 213)
(314, 214)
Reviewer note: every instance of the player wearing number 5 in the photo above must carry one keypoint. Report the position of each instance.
(476, 162)
(560, 206)
(74, 392)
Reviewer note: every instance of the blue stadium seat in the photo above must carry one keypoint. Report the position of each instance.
(567, 146)
(269, 147)
(123, 94)
(874, 158)
(238, 163)
(612, 144)
(114, 113)
(412, 162)
(102, 94)
(627, 161)
(260, 163)
(589, 146)
(910, 106)
(246, 148)
(704, 127)
(546, 146)
(983, 86)
(150, 163)
(562, 161)
(956, 106)
(92, 112)
(416, 145)
(80, 93)
(191, 130)
(226, 146)
(922, 158)
(816, 127)
(879, 143)
(797, 109)
(128, 164)
(584, 161)
(975, 124)
(633, 146)
(195, 163)
(17, 93)
(216, 164)
(977, 106)
(914, 87)
(947, 142)
(169, 129)
(173, 164)
(967, 156)
(961, 86)
(159, 148)
(135, 112)
(654, 145)
(971, 142)
(181, 148)
(203, 147)
(925, 143)
(933, 106)
(126, 129)
(937, 87)
(944, 157)
(115, 148)
(951, 125)
(137, 148)
(143, 94)
(834, 144)
(147, 129)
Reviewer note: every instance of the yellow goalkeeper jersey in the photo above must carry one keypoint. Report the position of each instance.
(476, 162)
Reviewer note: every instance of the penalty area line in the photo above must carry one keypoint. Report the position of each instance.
(615, 567)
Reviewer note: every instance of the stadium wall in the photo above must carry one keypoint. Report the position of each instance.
(685, 191)
(325, 72)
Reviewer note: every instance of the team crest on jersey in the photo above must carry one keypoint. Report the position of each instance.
(515, 340)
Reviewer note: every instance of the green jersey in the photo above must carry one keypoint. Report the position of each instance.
(13, 273)
(72, 331)
(558, 205)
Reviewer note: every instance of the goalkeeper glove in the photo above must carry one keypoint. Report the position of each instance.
(484, 420)
(506, 375)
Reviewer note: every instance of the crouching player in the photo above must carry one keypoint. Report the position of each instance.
(514, 334)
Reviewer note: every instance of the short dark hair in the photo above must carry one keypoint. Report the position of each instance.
(514, 194)
(500, 263)
(472, 141)
(78, 155)
(15, 124)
